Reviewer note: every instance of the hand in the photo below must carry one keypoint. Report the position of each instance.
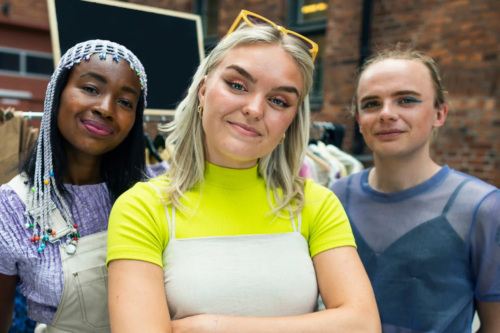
(204, 323)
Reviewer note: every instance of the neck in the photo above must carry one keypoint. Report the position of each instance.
(83, 171)
(397, 174)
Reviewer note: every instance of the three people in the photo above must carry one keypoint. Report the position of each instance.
(428, 235)
(54, 215)
(231, 238)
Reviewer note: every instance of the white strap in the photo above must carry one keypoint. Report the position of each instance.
(298, 227)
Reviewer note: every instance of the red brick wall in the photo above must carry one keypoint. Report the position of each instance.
(27, 13)
(464, 37)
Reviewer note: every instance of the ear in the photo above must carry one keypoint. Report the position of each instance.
(202, 90)
(441, 113)
(357, 119)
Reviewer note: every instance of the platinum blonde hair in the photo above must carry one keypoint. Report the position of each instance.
(281, 167)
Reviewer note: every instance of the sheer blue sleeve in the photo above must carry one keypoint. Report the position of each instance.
(485, 248)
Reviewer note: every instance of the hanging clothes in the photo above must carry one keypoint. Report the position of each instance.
(17, 139)
(325, 157)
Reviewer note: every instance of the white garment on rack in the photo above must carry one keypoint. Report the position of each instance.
(323, 175)
(352, 164)
(337, 169)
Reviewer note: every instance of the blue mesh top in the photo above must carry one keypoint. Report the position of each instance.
(41, 278)
(429, 250)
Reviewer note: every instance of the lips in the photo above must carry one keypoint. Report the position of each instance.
(245, 129)
(389, 133)
(97, 128)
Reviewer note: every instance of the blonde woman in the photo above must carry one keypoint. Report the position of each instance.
(233, 238)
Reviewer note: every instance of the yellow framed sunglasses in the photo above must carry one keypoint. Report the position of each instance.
(253, 19)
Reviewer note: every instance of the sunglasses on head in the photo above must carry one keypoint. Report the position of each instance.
(252, 19)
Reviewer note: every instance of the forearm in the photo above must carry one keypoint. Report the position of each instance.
(341, 319)
(331, 320)
(8, 292)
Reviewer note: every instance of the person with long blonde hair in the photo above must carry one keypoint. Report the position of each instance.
(231, 239)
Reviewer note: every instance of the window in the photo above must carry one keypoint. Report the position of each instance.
(312, 10)
(9, 61)
(308, 17)
(209, 12)
(39, 65)
(25, 63)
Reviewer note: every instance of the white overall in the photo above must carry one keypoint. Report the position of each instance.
(84, 301)
(247, 275)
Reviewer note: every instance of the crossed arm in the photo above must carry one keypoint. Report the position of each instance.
(137, 301)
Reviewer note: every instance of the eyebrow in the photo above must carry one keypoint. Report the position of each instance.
(103, 80)
(288, 89)
(242, 72)
(397, 93)
(249, 77)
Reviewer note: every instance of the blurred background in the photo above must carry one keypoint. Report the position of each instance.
(462, 35)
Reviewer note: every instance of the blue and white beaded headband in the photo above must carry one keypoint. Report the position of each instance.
(43, 191)
(83, 51)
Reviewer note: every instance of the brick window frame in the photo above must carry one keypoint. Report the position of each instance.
(315, 30)
(29, 59)
(209, 12)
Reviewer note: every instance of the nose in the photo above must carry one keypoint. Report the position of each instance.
(388, 112)
(104, 107)
(254, 108)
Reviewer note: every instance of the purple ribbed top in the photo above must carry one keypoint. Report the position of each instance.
(41, 278)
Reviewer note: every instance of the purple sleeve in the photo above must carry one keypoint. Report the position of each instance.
(154, 170)
(485, 248)
(12, 232)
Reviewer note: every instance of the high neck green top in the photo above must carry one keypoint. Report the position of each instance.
(228, 202)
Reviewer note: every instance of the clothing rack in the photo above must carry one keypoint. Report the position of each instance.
(323, 124)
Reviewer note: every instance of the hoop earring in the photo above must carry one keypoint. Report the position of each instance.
(282, 139)
(200, 111)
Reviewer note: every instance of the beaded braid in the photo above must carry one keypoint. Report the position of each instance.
(44, 190)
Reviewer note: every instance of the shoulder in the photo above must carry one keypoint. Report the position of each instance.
(315, 191)
(144, 199)
(14, 237)
(469, 188)
(341, 186)
(10, 202)
(318, 197)
(144, 191)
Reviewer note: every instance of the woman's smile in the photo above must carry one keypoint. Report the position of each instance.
(97, 128)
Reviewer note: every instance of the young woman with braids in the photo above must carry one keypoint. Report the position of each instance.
(54, 215)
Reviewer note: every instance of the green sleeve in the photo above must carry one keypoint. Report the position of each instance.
(138, 226)
(327, 222)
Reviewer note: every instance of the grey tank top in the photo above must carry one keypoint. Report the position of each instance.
(247, 275)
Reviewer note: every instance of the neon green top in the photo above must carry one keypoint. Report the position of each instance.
(230, 202)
